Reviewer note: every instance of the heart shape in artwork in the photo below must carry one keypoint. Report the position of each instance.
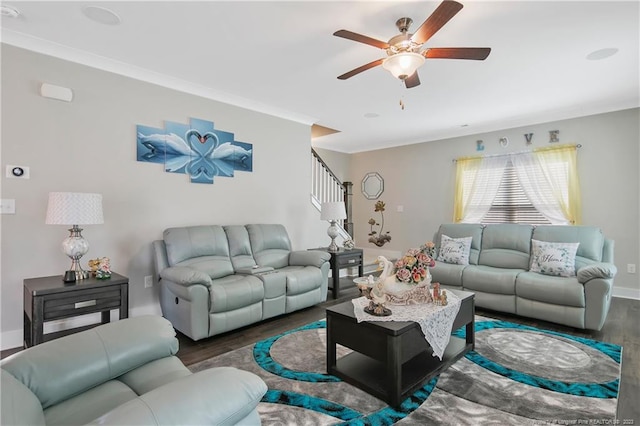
(201, 138)
(193, 134)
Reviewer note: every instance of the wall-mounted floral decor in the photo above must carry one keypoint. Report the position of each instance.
(196, 149)
(379, 237)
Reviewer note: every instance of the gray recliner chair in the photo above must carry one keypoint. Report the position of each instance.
(123, 372)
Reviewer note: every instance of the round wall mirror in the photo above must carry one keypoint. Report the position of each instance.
(372, 186)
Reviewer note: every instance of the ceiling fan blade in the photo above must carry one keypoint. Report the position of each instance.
(477, 53)
(361, 38)
(442, 15)
(360, 69)
(412, 81)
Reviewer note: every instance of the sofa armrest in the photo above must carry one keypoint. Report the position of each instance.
(185, 276)
(217, 396)
(596, 270)
(308, 258)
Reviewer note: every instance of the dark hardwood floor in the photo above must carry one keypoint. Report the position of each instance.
(621, 328)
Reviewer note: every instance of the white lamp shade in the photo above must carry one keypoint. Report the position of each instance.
(74, 208)
(403, 64)
(334, 210)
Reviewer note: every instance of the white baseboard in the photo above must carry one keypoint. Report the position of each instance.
(626, 293)
(14, 338)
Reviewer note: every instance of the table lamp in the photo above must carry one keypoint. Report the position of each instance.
(333, 211)
(74, 208)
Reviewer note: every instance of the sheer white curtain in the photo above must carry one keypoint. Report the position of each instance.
(477, 199)
(545, 186)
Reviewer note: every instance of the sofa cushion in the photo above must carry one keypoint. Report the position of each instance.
(239, 247)
(213, 266)
(506, 245)
(234, 292)
(459, 230)
(270, 244)
(454, 250)
(447, 273)
(490, 280)
(590, 238)
(195, 241)
(154, 374)
(564, 291)
(301, 279)
(556, 259)
(89, 405)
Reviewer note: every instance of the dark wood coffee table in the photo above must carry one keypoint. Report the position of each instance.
(391, 359)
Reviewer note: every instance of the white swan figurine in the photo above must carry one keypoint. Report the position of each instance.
(387, 269)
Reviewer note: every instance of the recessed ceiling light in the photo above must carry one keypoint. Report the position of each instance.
(371, 115)
(9, 12)
(101, 15)
(602, 54)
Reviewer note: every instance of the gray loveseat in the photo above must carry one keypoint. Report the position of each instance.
(215, 278)
(498, 272)
(123, 373)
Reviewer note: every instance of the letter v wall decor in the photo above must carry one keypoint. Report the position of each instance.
(196, 149)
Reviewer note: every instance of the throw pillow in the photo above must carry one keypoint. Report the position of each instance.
(454, 250)
(558, 259)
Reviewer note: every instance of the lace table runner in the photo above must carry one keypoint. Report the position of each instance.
(435, 321)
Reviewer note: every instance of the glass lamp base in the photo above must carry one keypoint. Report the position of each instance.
(75, 246)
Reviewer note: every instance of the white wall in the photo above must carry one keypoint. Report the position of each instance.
(89, 145)
(421, 177)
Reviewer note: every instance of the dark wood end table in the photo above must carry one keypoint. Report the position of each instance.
(50, 298)
(392, 359)
(343, 258)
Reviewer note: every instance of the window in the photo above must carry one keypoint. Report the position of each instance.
(511, 204)
(539, 187)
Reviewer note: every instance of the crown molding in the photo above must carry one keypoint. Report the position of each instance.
(92, 60)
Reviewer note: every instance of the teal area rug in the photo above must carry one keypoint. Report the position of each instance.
(516, 375)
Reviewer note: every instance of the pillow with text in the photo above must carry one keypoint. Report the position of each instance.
(557, 259)
(454, 250)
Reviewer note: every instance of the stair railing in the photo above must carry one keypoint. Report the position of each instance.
(326, 187)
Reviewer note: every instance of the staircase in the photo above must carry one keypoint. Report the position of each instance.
(326, 187)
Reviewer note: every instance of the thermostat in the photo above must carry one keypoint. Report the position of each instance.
(21, 172)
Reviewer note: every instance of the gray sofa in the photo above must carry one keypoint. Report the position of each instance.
(122, 373)
(215, 278)
(498, 272)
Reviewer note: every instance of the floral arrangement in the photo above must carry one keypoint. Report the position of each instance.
(100, 268)
(412, 268)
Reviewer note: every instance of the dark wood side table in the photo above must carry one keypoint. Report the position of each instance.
(49, 298)
(343, 258)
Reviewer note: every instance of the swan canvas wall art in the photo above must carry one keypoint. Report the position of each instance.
(196, 149)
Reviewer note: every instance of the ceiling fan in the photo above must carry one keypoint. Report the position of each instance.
(405, 53)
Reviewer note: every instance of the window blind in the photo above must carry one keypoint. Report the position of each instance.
(511, 204)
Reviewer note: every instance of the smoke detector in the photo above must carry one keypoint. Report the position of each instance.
(101, 15)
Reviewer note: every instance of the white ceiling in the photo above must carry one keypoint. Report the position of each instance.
(280, 57)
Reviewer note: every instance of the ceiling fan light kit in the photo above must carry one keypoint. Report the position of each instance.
(406, 52)
(402, 65)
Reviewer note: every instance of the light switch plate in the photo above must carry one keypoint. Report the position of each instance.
(8, 206)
